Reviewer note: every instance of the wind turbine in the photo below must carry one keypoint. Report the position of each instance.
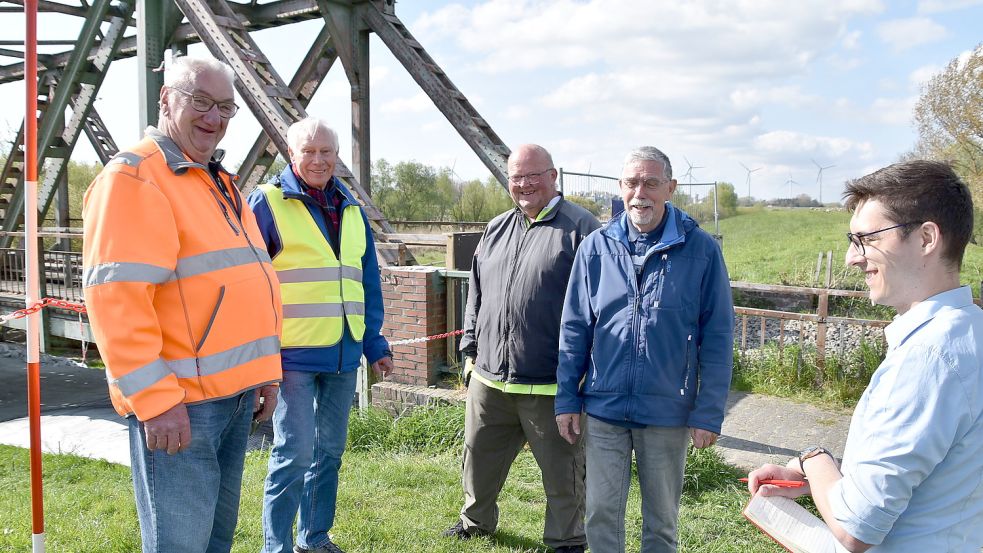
(689, 173)
(819, 178)
(748, 182)
(790, 182)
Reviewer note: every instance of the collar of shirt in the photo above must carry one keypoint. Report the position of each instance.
(321, 196)
(904, 325)
(543, 212)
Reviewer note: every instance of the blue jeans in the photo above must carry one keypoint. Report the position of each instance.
(310, 428)
(660, 453)
(189, 501)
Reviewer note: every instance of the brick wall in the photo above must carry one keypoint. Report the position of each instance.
(400, 399)
(415, 303)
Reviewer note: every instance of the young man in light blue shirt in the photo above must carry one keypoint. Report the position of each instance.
(912, 471)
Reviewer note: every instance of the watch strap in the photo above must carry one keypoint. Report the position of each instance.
(811, 452)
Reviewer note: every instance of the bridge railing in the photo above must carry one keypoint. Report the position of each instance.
(62, 273)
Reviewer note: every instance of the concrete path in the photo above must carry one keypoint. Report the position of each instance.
(77, 418)
(764, 429)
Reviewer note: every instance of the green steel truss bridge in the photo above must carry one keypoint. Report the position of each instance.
(111, 30)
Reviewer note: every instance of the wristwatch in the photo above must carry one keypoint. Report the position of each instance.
(809, 453)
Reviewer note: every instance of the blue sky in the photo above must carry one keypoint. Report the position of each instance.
(771, 84)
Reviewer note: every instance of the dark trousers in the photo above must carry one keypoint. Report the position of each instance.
(497, 425)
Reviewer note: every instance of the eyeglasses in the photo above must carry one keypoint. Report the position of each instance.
(533, 178)
(650, 183)
(204, 104)
(859, 239)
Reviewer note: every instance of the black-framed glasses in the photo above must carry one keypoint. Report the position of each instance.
(650, 183)
(530, 177)
(859, 239)
(204, 104)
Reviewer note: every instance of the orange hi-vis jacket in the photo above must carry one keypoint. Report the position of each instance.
(182, 298)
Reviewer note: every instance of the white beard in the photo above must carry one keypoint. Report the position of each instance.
(641, 219)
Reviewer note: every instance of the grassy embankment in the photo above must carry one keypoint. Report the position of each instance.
(780, 246)
(400, 489)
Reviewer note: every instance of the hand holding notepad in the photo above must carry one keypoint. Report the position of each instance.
(791, 525)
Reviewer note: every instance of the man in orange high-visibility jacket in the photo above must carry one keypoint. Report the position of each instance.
(184, 304)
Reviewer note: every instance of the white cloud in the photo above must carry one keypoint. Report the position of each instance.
(763, 37)
(378, 74)
(417, 103)
(902, 34)
(893, 111)
(922, 75)
(789, 95)
(851, 40)
(938, 6)
(517, 112)
(785, 144)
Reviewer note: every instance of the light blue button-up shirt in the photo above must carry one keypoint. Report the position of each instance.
(913, 463)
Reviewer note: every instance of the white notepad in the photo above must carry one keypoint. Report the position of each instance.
(791, 525)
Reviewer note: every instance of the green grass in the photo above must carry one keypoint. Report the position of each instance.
(391, 499)
(780, 246)
(793, 373)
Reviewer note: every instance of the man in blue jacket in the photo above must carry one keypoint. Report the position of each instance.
(324, 256)
(646, 351)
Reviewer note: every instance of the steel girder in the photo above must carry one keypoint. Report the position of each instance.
(253, 18)
(271, 101)
(77, 85)
(473, 128)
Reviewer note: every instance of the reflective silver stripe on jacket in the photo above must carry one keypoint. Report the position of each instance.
(310, 310)
(140, 379)
(354, 308)
(186, 267)
(224, 360)
(319, 274)
(351, 273)
(219, 259)
(125, 272)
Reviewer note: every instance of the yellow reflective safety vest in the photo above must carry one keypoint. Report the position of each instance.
(320, 293)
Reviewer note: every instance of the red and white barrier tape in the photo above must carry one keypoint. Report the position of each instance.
(425, 338)
(38, 306)
(80, 308)
(52, 302)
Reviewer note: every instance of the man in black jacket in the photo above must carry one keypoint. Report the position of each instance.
(518, 279)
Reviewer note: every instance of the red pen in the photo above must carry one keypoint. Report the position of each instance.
(781, 483)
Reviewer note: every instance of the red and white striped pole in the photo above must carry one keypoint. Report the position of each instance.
(31, 272)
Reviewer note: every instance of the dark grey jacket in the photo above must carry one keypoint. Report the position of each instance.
(518, 280)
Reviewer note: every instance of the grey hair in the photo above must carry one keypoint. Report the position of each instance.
(305, 129)
(185, 69)
(650, 153)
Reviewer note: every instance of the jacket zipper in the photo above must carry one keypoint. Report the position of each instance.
(636, 316)
(662, 280)
(689, 343)
(341, 287)
(636, 324)
(252, 248)
(225, 211)
(508, 296)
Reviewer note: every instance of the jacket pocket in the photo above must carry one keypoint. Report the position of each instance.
(211, 319)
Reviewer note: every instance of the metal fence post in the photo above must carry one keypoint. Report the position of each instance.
(823, 312)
